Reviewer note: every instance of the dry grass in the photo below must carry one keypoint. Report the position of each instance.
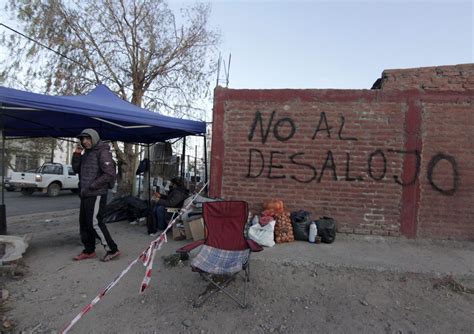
(448, 282)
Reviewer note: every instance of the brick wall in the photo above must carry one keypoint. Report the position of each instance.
(383, 162)
(458, 77)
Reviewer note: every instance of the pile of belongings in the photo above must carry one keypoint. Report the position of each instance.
(325, 226)
(283, 229)
(193, 206)
(125, 208)
(278, 225)
(274, 225)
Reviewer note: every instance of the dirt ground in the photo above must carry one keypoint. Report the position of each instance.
(48, 290)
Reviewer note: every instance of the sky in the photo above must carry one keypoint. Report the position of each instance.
(335, 44)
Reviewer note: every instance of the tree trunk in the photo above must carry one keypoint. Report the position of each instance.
(127, 163)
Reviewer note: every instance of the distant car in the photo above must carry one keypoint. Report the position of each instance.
(8, 186)
(11, 187)
(50, 178)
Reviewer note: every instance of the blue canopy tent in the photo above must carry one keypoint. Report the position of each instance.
(36, 115)
(28, 114)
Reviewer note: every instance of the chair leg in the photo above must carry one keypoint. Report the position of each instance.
(246, 280)
(221, 288)
(245, 290)
(199, 302)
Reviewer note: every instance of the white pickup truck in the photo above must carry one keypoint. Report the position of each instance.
(50, 178)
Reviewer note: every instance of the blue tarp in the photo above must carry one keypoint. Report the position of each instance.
(36, 115)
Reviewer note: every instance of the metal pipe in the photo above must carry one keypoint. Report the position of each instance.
(205, 163)
(3, 215)
(148, 171)
(183, 157)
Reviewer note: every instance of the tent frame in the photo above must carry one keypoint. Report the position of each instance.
(134, 118)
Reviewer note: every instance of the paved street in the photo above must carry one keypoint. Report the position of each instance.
(17, 204)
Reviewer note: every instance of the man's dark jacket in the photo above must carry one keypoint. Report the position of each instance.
(96, 168)
(175, 198)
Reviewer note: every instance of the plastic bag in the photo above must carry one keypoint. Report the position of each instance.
(263, 235)
(326, 229)
(300, 220)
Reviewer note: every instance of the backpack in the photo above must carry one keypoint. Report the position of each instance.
(326, 229)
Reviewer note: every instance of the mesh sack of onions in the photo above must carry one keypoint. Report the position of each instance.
(283, 228)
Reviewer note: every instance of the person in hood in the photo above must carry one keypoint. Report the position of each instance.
(157, 218)
(96, 168)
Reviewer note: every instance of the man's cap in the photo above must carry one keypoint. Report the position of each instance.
(90, 133)
(87, 133)
(83, 134)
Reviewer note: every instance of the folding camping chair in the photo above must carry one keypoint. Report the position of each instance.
(225, 251)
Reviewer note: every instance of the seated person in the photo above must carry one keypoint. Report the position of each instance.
(157, 217)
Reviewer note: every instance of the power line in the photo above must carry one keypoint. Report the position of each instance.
(50, 49)
(70, 59)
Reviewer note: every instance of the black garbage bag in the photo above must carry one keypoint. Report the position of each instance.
(300, 221)
(125, 208)
(326, 229)
(136, 208)
(143, 166)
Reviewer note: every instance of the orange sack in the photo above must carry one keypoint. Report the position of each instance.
(274, 205)
(283, 228)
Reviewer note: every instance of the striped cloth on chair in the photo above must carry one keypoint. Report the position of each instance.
(219, 261)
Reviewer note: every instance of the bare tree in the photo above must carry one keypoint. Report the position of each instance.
(139, 48)
(35, 150)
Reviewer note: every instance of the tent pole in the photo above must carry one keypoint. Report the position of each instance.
(205, 163)
(148, 171)
(183, 157)
(195, 164)
(139, 175)
(3, 167)
(3, 216)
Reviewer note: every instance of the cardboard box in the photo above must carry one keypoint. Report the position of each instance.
(187, 231)
(197, 229)
(178, 231)
(181, 231)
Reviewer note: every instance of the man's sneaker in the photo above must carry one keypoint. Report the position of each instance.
(110, 256)
(84, 256)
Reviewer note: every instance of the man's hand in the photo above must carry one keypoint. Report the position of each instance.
(78, 149)
(155, 197)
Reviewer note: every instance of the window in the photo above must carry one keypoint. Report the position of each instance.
(70, 171)
(52, 169)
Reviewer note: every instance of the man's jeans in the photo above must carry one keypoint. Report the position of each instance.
(160, 215)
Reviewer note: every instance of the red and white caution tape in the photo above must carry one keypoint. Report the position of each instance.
(146, 257)
(98, 297)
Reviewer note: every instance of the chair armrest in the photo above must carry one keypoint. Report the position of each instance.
(189, 247)
(254, 247)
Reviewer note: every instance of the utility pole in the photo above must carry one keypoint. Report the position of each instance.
(189, 164)
(195, 163)
(52, 149)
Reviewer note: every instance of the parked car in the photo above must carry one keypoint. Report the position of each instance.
(50, 178)
(7, 184)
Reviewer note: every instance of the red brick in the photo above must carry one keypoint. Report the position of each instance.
(399, 117)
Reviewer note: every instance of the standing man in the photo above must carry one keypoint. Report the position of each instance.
(96, 170)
